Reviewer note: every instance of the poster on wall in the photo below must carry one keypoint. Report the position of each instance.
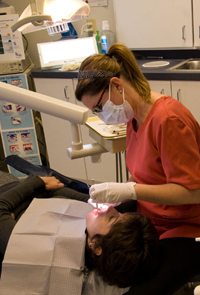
(17, 127)
(11, 43)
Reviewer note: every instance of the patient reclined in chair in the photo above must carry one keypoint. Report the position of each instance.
(45, 254)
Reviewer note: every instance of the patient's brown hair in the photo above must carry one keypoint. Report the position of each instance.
(130, 251)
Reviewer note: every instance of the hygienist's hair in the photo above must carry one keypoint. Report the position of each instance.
(121, 62)
(130, 251)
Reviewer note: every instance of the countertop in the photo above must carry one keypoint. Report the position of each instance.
(151, 73)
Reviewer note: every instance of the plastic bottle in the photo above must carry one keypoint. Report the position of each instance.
(98, 42)
(107, 37)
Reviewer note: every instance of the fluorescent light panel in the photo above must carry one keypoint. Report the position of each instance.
(55, 54)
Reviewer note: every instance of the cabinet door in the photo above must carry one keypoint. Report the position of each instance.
(58, 131)
(105, 170)
(196, 10)
(154, 24)
(163, 87)
(187, 92)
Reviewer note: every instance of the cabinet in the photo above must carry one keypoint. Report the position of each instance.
(196, 9)
(154, 24)
(187, 92)
(58, 131)
(163, 87)
(58, 137)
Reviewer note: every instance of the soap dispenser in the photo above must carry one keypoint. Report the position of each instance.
(107, 37)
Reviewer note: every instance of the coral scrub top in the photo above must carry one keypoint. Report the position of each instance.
(166, 149)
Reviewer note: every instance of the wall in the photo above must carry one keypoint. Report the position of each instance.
(98, 13)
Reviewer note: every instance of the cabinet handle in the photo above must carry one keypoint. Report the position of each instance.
(179, 95)
(162, 91)
(183, 33)
(65, 93)
(199, 32)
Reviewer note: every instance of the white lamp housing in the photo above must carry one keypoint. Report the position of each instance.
(55, 107)
(41, 14)
(43, 103)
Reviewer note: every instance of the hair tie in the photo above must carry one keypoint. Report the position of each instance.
(109, 55)
(94, 74)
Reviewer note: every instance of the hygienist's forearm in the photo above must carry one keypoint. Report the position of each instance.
(167, 194)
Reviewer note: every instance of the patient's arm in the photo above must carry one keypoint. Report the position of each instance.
(18, 198)
(51, 183)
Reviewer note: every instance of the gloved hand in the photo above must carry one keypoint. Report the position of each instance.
(92, 203)
(112, 192)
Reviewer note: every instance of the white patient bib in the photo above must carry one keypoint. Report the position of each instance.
(45, 253)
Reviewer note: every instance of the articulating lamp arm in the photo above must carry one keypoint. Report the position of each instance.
(36, 20)
(55, 107)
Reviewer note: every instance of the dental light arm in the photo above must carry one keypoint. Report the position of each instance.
(43, 103)
(52, 15)
(36, 20)
(55, 107)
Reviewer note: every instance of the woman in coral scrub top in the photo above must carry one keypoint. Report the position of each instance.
(162, 157)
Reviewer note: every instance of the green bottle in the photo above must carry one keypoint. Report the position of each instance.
(98, 42)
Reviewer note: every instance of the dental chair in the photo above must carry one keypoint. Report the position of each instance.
(28, 168)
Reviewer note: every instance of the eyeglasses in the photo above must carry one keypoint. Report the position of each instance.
(98, 107)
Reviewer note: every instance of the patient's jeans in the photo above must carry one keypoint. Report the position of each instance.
(6, 178)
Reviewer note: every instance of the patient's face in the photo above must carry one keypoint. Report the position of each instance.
(99, 221)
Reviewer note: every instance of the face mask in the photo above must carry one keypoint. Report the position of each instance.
(116, 114)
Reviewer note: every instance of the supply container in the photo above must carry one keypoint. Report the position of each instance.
(107, 37)
(98, 42)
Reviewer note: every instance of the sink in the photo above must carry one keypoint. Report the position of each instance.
(191, 64)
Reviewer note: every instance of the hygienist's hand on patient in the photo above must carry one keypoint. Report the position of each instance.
(52, 183)
(91, 202)
(112, 192)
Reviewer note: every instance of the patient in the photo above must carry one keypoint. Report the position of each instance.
(123, 248)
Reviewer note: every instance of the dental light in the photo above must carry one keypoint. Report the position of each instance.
(58, 108)
(52, 15)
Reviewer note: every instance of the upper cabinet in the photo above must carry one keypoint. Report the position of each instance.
(156, 24)
(196, 13)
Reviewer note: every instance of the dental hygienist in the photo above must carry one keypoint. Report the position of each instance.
(162, 156)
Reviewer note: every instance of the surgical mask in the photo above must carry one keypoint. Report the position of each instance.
(116, 114)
